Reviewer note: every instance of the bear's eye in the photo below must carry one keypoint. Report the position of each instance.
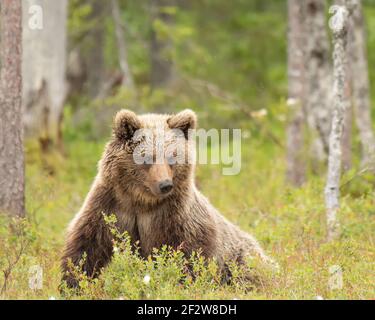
(171, 160)
(148, 160)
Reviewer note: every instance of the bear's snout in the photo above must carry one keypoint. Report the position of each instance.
(165, 186)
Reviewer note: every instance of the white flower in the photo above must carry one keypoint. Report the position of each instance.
(246, 134)
(291, 102)
(259, 113)
(52, 298)
(319, 298)
(146, 279)
(115, 250)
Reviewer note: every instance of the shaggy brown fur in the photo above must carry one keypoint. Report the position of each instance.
(183, 218)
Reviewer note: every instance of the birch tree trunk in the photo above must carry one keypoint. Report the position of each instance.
(127, 78)
(348, 96)
(296, 90)
(361, 86)
(347, 138)
(11, 129)
(338, 24)
(318, 73)
(162, 65)
(44, 68)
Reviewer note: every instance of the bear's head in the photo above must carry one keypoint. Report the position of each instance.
(151, 157)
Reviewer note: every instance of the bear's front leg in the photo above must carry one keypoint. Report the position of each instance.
(88, 240)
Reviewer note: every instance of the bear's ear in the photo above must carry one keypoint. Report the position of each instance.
(125, 124)
(183, 121)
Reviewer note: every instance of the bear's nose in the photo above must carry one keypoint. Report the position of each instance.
(165, 186)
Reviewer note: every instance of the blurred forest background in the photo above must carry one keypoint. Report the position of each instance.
(264, 66)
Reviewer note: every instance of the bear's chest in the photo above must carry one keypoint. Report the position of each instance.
(156, 230)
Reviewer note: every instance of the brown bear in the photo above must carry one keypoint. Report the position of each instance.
(156, 203)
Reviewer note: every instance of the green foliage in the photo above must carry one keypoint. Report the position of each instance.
(79, 22)
(370, 27)
(165, 274)
(168, 273)
(238, 45)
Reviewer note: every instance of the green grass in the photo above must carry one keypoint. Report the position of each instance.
(290, 224)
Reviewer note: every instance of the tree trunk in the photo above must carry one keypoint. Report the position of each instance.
(296, 91)
(11, 129)
(318, 72)
(348, 96)
(94, 53)
(127, 78)
(44, 69)
(361, 86)
(347, 140)
(338, 24)
(162, 66)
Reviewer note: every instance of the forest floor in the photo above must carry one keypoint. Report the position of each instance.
(289, 223)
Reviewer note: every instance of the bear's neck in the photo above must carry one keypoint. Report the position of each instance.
(134, 205)
(170, 205)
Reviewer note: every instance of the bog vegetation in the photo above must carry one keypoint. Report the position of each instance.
(289, 223)
(230, 57)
